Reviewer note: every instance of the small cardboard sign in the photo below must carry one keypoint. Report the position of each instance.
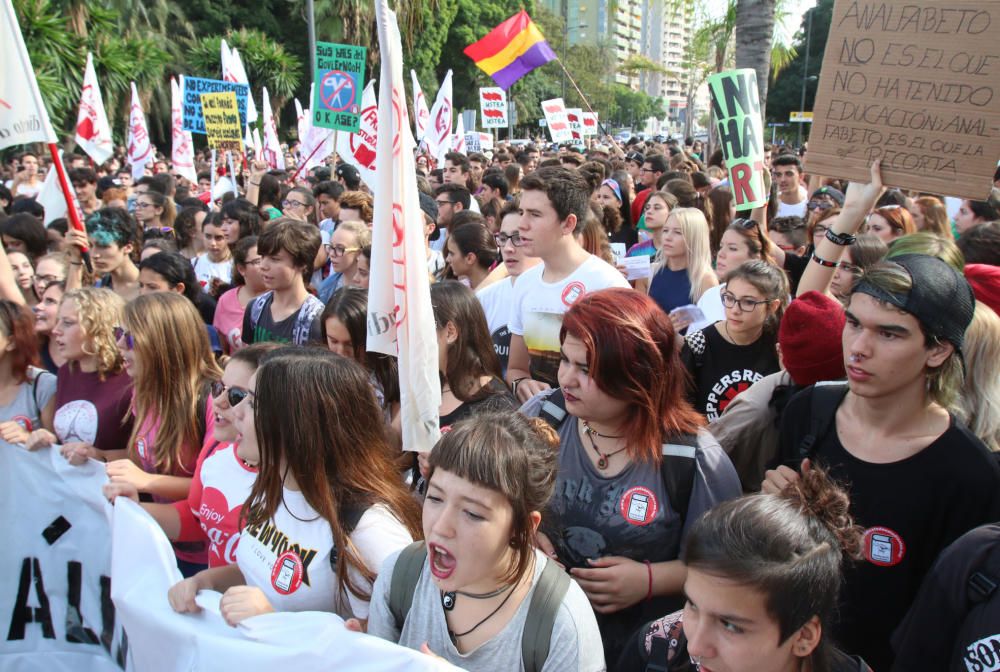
(195, 87)
(221, 115)
(493, 106)
(736, 104)
(339, 77)
(575, 117)
(916, 85)
(589, 124)
(557, 120)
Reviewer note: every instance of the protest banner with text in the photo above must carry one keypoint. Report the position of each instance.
(493, 106)
(556, 120)
(736, 104)
(915, 85)
(339, 77)
(194, 87)
(222, 121)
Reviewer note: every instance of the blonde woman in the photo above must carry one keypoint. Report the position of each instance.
(682, 269)
(978, 405)
(168, 356)
(93, 392)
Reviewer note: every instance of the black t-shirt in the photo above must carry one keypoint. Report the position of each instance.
(720, 370)
(498, 398)
(910, 510)
(796, 267)
(946, 629)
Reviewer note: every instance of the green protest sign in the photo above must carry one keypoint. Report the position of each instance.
(339, 81)
(736, 104)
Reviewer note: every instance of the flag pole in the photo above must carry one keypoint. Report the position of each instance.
(71, 209)
(586, 102)
(309, 158)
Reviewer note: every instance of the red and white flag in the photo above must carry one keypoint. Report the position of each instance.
(273, 156)
(458, 140)
(93, 133)
(400, 316)
(23, 117)
(140, 150)
(438, 136)
(358, 149)
(182, 145)
(300, 120)
(233, 71)
(420, 112)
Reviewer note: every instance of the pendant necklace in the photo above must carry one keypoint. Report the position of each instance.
(455, 635)
(448, 599)
(602, 458)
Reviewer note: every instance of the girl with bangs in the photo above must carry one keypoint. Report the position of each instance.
(472, 587)
(618, 515)
(167, 354)
(93, 392)
(27, 393)
(327, 488)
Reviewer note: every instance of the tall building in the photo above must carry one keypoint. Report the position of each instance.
(594, 22)
(669, 29)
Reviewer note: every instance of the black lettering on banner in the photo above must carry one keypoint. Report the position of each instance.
(31, 573)
(76, 630)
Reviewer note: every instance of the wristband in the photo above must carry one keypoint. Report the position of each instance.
(824, 262)
(841, 239)
(649, 569)
(513, 386)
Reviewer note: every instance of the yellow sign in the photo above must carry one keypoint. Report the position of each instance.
(222, 120)
(801, 117)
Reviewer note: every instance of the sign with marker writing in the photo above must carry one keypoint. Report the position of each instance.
(736, 104)
(915, 85)
(222, 121)
(339, 77)
(194, 87)
(556, 120)
(493, 106)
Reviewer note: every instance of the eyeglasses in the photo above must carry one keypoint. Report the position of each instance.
(139, 204)
(746, 305)
(644, 169)
(234, 395)
(124, 336)
(442, 203)
(786, 224)
(819, 205)
(289, 202)
(339, 250)
(502, 238)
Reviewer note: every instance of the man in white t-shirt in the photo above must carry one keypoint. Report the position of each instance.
(554, 203)
(792, 197)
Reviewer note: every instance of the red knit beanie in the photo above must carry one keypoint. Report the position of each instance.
(810, 339)
(985, 281)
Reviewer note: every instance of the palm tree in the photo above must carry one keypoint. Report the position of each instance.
(755, 22)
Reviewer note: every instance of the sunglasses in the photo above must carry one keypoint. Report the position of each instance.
(819, 205)
(234, 395)
(124, 336)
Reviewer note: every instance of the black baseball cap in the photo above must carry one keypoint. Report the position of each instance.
(430, 208)
(636, 157)
(348, 172)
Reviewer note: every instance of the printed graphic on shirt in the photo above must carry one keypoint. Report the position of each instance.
(286, 577)
(270, 536)
(639, 506)
(541, 336)
(984, 655)
(883, 546)
(140, 447)
(572, 293)
(218, 521)
(726, 389)
(76, 421)
(501, 344)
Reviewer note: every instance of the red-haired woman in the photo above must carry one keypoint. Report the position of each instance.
(27, 393)
(635, 465)
(890, 223)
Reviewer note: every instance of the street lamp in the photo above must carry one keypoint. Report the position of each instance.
(805, 74)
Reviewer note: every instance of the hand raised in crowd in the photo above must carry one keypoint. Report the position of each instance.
(776, 480)
(75, 242)
(115, 489)
(78, 452)
(40, 438)
(128, 472)
(613, 583)
(12, 432)
(242, 602)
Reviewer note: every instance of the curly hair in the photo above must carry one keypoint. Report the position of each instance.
(99, 312)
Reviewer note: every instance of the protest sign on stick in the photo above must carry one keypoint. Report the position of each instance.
(493, 105)
(915, 85)
(556, 120)
(736, 104)
(220, 113)
(340, 73)
(194, 87)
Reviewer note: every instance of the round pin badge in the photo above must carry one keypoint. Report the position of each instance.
(638, 506)
(286, 576)
(883, 547)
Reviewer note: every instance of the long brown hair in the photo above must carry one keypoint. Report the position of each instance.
(472, 354)
(175, 366)
(333, 442)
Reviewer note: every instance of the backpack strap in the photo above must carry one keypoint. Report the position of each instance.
(553, 410)
(542, 611)
(350, 516)
(34, 393)
(697, 345)
(257, 307)
(677, 468)
(824, 400)
(405, 575)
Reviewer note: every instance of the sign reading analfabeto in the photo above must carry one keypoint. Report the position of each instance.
(916, 85)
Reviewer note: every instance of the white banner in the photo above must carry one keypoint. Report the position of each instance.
(556, 120)
(420, 112)
(55, 596)
(400, 316)
(140, 151)
(273, 156)
(182, 145)
(358, 149)
(93, 133)
(493, 107)
(23, 117)
(438, 136)
(233, 71)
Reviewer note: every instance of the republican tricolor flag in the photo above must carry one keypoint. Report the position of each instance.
(511, 50)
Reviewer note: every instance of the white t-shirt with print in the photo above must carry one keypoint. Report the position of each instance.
(289, 556)
(206, 270)
(538, 308)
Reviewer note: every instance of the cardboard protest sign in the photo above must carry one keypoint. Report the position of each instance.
(485, 141)
(915, 85)
(575, 117)
(736, 104)
(339, 77)
(493, 105)
(194, 120)
(220, 112)
(472, 142)
(556, 120)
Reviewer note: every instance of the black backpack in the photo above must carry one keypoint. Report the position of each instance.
(677, 468)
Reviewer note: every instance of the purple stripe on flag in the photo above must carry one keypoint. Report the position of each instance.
(538, 55)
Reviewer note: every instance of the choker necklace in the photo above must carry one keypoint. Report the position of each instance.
(590, 430)
(602, 458)
(448, 599)
(455, 635)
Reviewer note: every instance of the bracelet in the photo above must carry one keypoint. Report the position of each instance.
(824, 262)
(841, 239)
(649, 593)
(513, 386)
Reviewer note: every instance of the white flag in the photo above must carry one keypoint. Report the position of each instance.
(273, 156)
(258, 146)
(420, 112)
(300, 118)
(182, 147)
(140, 151)
(51, 197)
(228, 73)
(241, 77)
(458, 140)
(400, 317)
(93, 133)
(438, 136)
(23, 117)
(358, 149)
